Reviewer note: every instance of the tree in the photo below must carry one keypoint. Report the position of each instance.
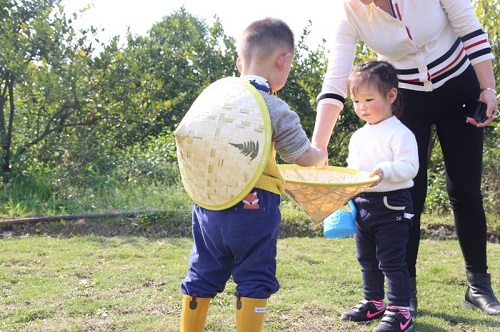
(152, 80)
(43, 81)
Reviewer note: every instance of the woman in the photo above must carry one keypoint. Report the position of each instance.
(443, 59)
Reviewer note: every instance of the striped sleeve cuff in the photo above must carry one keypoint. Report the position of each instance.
(477, 46)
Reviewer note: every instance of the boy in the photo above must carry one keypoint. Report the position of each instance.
(240, 241)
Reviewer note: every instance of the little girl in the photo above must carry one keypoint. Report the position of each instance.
(386, 148)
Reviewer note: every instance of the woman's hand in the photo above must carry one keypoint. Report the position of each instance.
(489, 97)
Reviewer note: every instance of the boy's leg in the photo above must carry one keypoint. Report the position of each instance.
(250, 314)
(209, 265)
(209, 261)
(253, 239)
(194, 313)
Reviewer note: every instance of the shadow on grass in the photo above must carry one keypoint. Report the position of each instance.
(461, 322)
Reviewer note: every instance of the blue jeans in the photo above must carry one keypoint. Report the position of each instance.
(382, 227)
(235, 242)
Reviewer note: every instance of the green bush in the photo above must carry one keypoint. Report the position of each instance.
(155, 161)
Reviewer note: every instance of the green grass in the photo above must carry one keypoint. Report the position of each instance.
(126, 276)
(131, 283)
(27, 199)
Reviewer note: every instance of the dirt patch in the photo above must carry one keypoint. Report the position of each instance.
(154, 226)
(447, 232)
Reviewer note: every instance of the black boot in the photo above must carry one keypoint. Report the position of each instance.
(480, 295)
(413, 297)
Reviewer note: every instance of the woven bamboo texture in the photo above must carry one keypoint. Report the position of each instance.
(223, 143)
(321, 191)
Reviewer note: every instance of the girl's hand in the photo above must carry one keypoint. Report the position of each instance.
(378, 172)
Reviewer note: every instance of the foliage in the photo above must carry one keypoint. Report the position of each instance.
(154, 160)
(160, 75)
(75, 111)
(77, 125)
(295, 223)
(44, 81)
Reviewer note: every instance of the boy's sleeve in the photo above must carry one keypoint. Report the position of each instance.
(290, 140)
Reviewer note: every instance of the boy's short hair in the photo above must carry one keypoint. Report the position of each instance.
(267, 35)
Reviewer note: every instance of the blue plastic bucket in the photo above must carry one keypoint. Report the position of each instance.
(341, 223)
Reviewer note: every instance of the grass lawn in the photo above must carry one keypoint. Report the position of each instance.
(131, 283)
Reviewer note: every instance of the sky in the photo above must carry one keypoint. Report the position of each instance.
(115, 16)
